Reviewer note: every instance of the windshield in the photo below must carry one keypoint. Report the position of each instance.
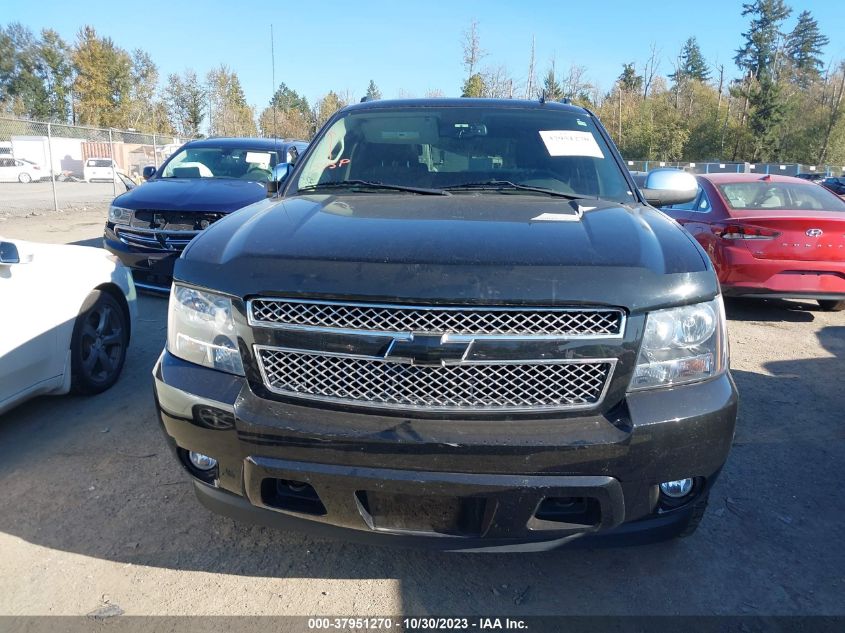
(779, 196)
(514, 150)
(221, 162)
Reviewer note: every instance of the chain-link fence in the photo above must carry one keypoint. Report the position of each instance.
(784, 169)
(65, 159)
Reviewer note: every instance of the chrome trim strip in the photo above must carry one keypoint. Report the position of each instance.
(382, 359)
(399, 407)
(139, 229)
(447, 337)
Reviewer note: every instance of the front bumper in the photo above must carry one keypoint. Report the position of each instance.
(152, 269)
(478, 484)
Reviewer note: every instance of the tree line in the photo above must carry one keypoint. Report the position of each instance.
(93, 81)
(785, 105)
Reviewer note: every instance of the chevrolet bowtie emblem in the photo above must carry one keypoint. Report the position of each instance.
(426, 349)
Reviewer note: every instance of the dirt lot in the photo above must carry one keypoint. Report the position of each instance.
(95, 511)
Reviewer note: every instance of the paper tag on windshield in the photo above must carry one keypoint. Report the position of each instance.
(571, 143)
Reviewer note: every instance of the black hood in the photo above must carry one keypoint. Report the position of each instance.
(193, 194)
(490, 248)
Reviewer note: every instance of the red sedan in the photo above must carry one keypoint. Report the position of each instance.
(770, 236)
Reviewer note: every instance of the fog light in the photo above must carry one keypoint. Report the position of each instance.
(676, 489)
(202, 462)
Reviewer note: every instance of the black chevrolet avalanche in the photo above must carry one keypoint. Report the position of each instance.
(458, 323)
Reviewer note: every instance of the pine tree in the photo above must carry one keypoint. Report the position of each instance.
(474, 86)
(629, 80)
(767, 115)
(551, 86)
(757, 54)
(287, 116)
(286, 99)
(373, 93)
(691, 63)
(804, 46)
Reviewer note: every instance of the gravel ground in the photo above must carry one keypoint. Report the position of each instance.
(96, 513)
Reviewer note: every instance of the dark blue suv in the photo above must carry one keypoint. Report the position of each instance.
(149, 226)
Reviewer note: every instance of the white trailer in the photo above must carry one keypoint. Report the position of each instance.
(66, 152)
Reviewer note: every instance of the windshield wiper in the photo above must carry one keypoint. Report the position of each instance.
(501, 185)
(367, 184)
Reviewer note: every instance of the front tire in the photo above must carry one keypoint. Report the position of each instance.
(98, 345)
(831, 305)
(24, 177)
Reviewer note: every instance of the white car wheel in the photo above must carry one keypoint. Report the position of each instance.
(24, 177)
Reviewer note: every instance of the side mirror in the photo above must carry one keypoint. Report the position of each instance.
(280, 174)
(9, 254)
(293, 155)
(148, 172)
(665, 187)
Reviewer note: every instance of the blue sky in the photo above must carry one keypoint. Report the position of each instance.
(406, 47)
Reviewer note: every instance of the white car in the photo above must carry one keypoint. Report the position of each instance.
(67, 313)
(17, 170)
(100, 169)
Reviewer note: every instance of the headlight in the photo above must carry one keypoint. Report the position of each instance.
(682, 345)
(201, 329)
(119, 215)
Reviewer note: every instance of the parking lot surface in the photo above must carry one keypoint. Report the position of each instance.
(96, 512)
(18, 199)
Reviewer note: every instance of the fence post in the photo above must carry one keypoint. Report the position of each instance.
(155, 154)
(50, 167)
(114, 162)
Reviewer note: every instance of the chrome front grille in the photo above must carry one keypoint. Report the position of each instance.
(504, 386)
(155, 239)
(467, 321)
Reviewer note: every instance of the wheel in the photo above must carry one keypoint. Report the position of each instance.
(24, 177)
(98, 345)
(698, 510)
(831, 305)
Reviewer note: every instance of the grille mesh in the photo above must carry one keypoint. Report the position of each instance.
(514, 322)
(458, 387)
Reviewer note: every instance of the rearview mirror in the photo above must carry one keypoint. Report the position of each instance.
(665, 187)
(9, 254)
(148, 172)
